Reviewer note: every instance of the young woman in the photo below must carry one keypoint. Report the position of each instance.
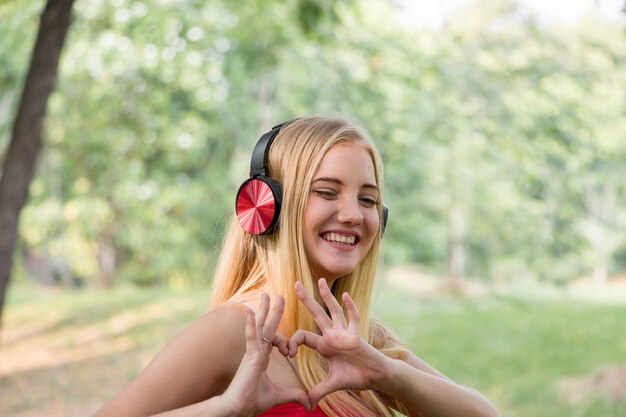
(307, 235)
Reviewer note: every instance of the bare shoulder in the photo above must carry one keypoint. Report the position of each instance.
(198, 363)
(384, 337)
(223, 320)
(217, 337)
(393, 342)
(219, 332)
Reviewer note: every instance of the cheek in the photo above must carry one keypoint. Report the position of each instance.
(310, 223)
(373, 221)
(314, 214)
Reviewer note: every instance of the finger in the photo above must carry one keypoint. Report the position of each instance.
(293, 395)
(303, 337)
(320, 391)
(270, 328)
(353, 313)
(318, 313)
(336, 312)
(261, 314)
(281, 343)
(251, 339)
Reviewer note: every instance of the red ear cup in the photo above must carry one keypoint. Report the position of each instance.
(258, 205)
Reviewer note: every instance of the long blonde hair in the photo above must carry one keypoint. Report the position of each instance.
(248, 262)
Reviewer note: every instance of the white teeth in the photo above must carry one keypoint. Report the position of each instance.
(337, 238)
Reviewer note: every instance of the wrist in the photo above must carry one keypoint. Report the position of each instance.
(390, 375)
(220, 406)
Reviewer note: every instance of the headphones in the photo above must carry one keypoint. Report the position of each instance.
(259, 198)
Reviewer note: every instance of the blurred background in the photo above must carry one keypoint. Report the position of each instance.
(502, 125)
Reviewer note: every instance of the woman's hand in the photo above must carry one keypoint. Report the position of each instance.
(353, 363)
(251, 391)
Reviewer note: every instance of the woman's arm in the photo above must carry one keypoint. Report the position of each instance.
(426, 393)
(213, 407)
(474, 396)
(249, 392)
(197, 364)
(355, 364)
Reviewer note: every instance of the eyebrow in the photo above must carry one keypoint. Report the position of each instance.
(339, 182)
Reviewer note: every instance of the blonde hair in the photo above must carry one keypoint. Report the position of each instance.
(248, 262)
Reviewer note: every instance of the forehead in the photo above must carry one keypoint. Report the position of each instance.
(348, 162)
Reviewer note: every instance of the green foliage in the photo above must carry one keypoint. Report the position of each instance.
(499, 133)
(17, 35)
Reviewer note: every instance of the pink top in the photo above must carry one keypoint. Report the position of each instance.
(292, 410)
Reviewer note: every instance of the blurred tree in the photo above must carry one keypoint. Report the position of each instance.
(25, 144)
(501, 135)
(158, 101)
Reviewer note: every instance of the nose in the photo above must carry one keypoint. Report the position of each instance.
(350, 212)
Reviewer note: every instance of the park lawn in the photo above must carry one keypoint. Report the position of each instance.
(516, 350)
(65, 353)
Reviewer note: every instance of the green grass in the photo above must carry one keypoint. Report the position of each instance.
(514, 350)
(65, 353)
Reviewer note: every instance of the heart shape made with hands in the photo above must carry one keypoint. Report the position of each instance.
(352, 362)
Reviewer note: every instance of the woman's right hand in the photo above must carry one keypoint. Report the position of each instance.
(251, 391)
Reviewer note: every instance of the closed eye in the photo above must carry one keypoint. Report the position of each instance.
(368, 201)
(326, 194)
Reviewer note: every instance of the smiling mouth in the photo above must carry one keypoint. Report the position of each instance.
(340, 239)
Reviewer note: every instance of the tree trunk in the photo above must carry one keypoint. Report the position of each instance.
(600, 228)
(456, 249)
(25, 145)
(600, 274)
(106, 256)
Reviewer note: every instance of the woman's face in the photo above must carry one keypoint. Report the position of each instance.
(341, 216)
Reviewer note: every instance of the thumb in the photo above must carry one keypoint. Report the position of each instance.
(293, 395)
(320, 391)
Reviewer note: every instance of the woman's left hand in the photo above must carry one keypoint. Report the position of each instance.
(353, 363)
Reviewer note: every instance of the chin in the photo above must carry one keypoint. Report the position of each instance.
(335, 272)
